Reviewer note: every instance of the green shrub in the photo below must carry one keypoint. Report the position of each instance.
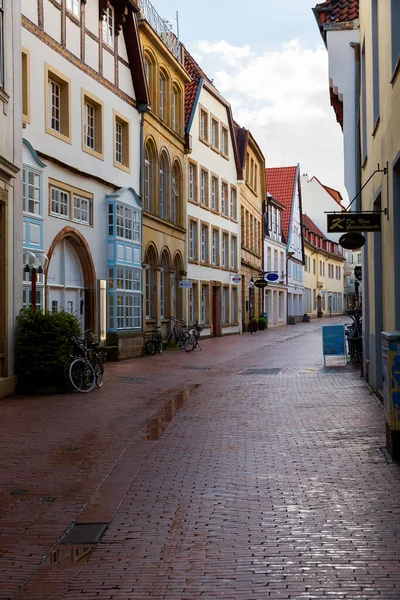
(44, 339)
(263, 321)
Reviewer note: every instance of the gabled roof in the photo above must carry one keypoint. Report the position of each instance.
(191, 89)
(336, 11)
(311, 226)
(280, 182)
(336, 195)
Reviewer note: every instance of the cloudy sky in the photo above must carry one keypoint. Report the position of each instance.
(267, 59)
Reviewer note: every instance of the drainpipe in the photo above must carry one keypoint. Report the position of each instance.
(142, 109)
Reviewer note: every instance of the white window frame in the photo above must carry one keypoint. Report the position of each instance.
(162, 96)
(203, 188)
(224, 199)
(175, 198)
(118, 142)
(56, 201)
(225, 248)
(214, 193)
(54, 116)
(108, 27)
(28, 187)
(90, 125)
(204, 303)
(233, 203)
(215, 247)
(192, 240)
(192, 182)
(233, 252)
(81, 210)
(204, 243)
(74, 7)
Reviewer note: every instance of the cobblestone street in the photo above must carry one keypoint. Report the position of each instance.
(245, 471)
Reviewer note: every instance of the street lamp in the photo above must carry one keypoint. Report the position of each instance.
(34, 263)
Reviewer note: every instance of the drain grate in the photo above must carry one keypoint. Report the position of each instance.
(19, 492)
(197, 368)
(85, 533)
(133, 379)
(261, 372)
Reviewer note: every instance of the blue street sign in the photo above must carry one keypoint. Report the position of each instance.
(272, 277)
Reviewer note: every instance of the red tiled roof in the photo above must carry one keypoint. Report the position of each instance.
(337, 11)
(311, 225)
(196, 73)
(337, 196)
(280, 182)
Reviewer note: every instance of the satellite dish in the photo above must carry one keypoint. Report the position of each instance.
(352, 240)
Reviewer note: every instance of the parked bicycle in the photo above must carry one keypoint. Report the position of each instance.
(85, 369)
(154, 342)
(192, 341)
(179, 333)
(354, 336)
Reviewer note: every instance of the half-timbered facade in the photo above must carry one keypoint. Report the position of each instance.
(83, 92)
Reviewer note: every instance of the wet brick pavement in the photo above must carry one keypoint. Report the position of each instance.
(266, 479)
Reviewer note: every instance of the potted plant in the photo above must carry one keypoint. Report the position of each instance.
(262, 323)
(253, 325)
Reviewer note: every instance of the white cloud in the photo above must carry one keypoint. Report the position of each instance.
(283, 98)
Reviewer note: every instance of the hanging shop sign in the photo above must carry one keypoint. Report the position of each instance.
(272, 277)
(355, 221)
(261, 283)
(236, 278)
(352, 240)
(185, 284)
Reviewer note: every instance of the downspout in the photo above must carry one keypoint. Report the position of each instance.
(142, 109)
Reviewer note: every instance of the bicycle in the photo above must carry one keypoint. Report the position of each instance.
(192, 341)
(179, 333)
(155, 343)
(86, 369)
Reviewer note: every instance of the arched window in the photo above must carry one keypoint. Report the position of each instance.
(165, 285)
(149, 72)
(175, 199)
(176, 109)
(163, 97)
(150, 177)
(150, 274)
(147, 180)
(164, 209)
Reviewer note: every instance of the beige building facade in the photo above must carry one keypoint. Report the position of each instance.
(252, 200)
(164, 189)
(10, 187)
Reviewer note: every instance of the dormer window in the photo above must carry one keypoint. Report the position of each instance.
(108, 27)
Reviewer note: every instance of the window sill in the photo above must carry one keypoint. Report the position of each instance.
(225, 156)
(95, 153)
(204, 206)
(215, 149)
(226, 324)
(215, 212)
(193, 202)
(122, 167)
(204, 141)
(60, 136)
(205, 264)
(26, 213)
(192, 261)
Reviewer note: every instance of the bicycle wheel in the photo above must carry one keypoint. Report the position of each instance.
(190, 343)
(81, 375)
(150, 347)
(160, 344)
(98, 370)
(183, 339)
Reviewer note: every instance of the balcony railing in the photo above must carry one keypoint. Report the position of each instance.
(161, 27)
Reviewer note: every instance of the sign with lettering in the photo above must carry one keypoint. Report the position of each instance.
(185, 285)
(334, 340)
(355, 221)
(272, 277)
(236, 278)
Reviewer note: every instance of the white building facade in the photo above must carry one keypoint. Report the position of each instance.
(82, 98)
(213, 211)
(275, 295)
(10, 187)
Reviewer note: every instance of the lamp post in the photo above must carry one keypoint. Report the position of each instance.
(34, 264)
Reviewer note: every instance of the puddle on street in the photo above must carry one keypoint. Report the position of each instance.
(157, 425)
(68, 554)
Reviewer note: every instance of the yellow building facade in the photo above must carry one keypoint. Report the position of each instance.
(380, 145)
(164, 190)
(323, 273)
(252, 196)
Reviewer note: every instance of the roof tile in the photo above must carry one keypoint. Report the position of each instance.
(337, 11)
(196, 73)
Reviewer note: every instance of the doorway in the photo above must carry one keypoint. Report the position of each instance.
(216, 312)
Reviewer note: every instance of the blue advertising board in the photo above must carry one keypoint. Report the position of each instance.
(334, 340)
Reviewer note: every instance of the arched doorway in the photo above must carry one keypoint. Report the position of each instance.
(151, 260)
(71, 278)
(177, 291)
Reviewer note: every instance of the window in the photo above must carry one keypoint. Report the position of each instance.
(234, 305)
(1, 44)
(81, 210)
(123, 222)
(233, 253)
(203, 125)
(74, 6)
(31, 183)
(224, 200)
(193, 240)
(176, 109)
(281, 310)
(175, 195)
(395, 20)
(255, 178)
(147, 180)
(164, 208)
(59, 202)
(314, 266)
(204, 188)
(26, 112)
(204, 243)
(225, 305)
(108, 27)
(193, 303)
(314, 299)
(215, 247)
(224, 141)
(233, 203)
(148, 292)
(122, 142)
(92, 125)
(163, 97)
(192, 182)
(214, 133)
(225, 244)
(204, 304)
(128, 310)
(214, 194)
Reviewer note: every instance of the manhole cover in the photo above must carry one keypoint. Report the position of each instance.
(85, 533)
(261, 371)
